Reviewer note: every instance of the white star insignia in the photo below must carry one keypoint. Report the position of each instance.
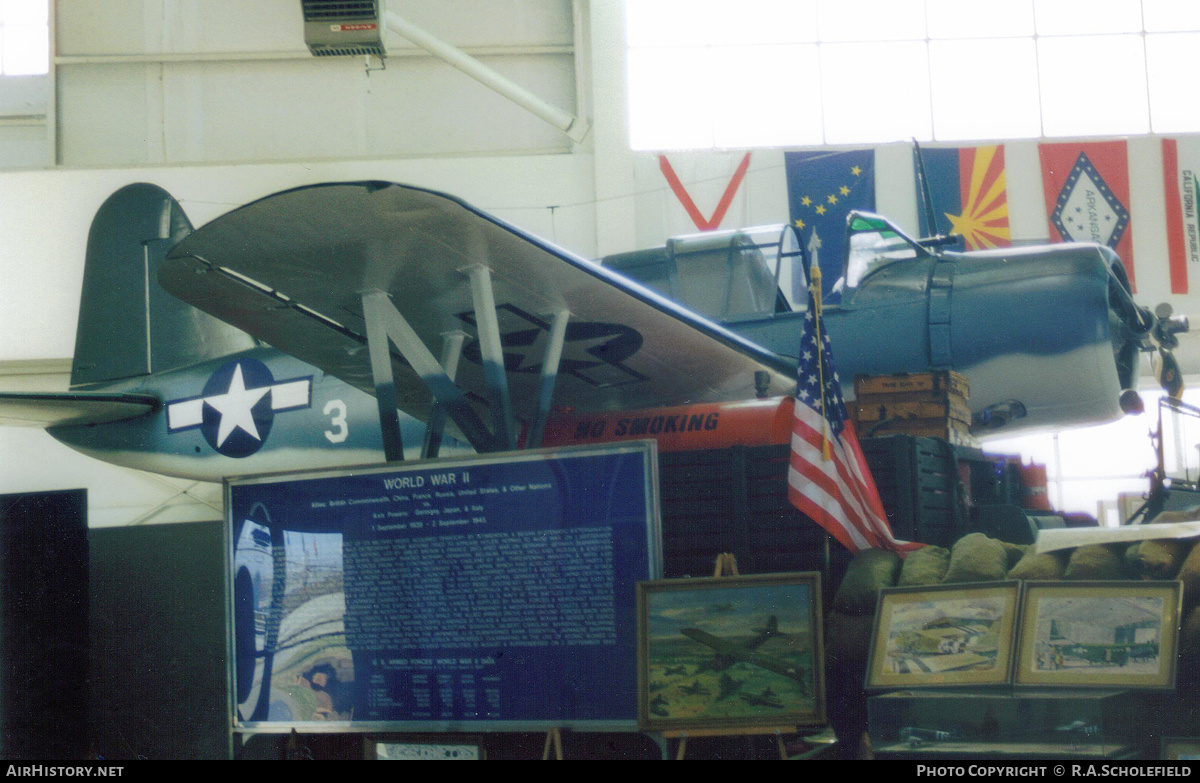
(236, 407)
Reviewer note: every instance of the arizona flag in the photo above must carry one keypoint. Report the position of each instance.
(1181, 167)
(1087, 194)
(828, 479)
(969, 191)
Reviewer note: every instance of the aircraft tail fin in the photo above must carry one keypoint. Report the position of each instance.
(128, 325)
(770, 631)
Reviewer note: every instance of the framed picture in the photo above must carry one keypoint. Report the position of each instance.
(945, 635)
(1180, 749)
(1102, 634)
(730, 652)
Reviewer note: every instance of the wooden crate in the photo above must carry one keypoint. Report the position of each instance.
(881, 408)
(936, 385)
(956, 433)
(928, 405)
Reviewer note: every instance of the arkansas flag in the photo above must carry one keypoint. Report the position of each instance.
(1181, 166)
(828, 479)
(969, 192)
(1087, 194)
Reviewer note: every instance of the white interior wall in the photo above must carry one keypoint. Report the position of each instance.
(128, 121)
(195, 81)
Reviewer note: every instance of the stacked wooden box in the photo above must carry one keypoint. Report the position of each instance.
(931, 404)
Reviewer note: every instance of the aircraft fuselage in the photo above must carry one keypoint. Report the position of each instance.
(258, 411)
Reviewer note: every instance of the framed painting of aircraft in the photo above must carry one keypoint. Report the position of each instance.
(1099, 634)
(730, 653)
(946, 635)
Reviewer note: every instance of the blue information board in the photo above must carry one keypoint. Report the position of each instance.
(494, 592)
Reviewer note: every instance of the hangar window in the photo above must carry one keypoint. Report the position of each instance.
(1104, 470)
(24, 37)
(760, 73)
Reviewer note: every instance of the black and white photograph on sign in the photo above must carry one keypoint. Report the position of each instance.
(300, 616)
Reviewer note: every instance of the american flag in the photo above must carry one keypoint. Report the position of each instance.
(828, 478)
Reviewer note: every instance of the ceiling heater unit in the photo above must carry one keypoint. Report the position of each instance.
(341, 27)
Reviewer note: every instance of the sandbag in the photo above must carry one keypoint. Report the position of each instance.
(1044, 567)
(977, 558)
(870, 571)
(1189, 574)
(1162, 558)
(1015, 552)
(1096, 561)
(924, 566)
(847, 645)
(848, 642)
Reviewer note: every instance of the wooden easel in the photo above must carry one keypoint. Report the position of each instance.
(726, 565)
(554, 736)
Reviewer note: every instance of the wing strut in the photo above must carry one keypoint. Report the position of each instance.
(452, 343)
(492, 353)
(558, 335)
(387, 327)
(384, 324)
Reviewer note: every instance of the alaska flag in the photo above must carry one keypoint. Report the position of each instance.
(822, 187)
(969, 191)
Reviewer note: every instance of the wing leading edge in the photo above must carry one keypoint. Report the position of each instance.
(292, 269)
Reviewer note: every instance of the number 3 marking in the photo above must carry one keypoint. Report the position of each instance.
(337, 409)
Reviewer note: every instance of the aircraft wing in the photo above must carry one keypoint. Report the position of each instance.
(722, 646)
(737, 652)
(51, 409)
(291, 270)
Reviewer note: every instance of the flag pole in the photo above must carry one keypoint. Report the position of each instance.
(815, 286)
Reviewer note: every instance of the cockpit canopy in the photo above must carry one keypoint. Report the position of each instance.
(721, 274)
(872, 243)
(740, 273)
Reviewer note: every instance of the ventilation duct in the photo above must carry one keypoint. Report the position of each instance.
(341, 27)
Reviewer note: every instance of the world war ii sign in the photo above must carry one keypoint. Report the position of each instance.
(495, 591)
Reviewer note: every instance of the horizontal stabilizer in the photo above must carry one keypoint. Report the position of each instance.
(58, 409)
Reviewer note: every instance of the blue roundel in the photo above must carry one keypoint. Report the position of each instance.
(237, 413)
